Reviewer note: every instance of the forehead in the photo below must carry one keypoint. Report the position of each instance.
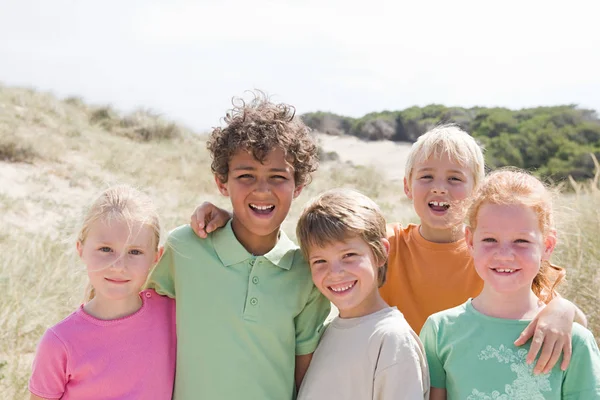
(336, 245)
(119, 230)
(515, 217)
(274, 159)
(442, 163)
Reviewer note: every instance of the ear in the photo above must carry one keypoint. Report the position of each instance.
(407, 190)
(386, 246)
(298, 190)
(549, 245)
(222, 186)
(469, 238)
(79, 248)
(159, 254)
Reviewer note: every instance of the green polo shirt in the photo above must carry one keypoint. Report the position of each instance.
(241, 319)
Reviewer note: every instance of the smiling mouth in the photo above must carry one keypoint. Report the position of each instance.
(438, 205)
(262, 209)
(505, 271)
(117, 281)
(342, 288)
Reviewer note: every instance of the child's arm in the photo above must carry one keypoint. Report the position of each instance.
(302, 363)
(309, 328)
(34, 397)
(207, 217)
(49, 374)
(437, 394)
(551, 332)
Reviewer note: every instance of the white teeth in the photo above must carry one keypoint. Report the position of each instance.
(504, 270)
(439, 203)
(262, 208)
(343, 288)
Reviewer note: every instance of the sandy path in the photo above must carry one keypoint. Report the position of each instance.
(385, 155)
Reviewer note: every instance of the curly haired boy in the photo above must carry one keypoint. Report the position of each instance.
(248, 315)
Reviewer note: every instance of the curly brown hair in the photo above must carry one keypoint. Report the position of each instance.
(258, 127)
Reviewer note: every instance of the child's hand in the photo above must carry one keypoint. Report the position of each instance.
(551, 328)
(207, 217)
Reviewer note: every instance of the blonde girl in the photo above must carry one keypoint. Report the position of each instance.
(469, 348)
(121, 343)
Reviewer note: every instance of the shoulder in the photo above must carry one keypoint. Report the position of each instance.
(156, 300)
(398, 342)
(581, 336)
(396, 231)
(393, 330)
(448, 317)
(183, 234)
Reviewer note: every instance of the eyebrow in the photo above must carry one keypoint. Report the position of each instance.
(427, 169)
(249, 168)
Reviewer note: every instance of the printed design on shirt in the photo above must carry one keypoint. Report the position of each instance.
(526, 386)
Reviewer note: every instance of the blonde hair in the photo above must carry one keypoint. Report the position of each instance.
(451, 140)
(339, 214)
(125, 203)
(511, 186)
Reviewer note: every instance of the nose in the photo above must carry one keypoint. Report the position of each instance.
(262, 186)
(119, 263)
(439, 188)
(504, 252)
(336, 268)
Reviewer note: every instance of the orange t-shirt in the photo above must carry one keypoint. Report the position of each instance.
(425, 277)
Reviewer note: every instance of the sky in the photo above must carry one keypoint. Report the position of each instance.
(187, 59)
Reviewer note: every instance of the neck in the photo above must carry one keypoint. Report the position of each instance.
(108, 309)
(255, 244)
(522, 304)
(370, 305)
(446, 235)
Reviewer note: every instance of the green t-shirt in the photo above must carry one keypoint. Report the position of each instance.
(241, 319)
(473, 357)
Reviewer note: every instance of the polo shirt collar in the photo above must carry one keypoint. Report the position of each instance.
(231, 251)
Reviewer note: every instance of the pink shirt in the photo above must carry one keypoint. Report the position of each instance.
(133, 357)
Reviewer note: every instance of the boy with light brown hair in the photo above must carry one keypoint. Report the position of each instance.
(368, 351)
(430, 268)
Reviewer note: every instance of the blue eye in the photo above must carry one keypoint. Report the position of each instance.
(105, 249)
(135, 252)
(489, 240)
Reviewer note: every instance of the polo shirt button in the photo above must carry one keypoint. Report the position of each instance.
(148, 294)
(254, 301)
(255, 280)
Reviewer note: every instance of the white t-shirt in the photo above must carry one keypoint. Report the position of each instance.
(377, 356)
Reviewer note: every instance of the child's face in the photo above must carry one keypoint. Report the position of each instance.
(118, 257)
(438, 187)
(508, 247)
(261, 193)
(346, 273)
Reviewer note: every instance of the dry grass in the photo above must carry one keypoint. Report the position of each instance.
(41, 280)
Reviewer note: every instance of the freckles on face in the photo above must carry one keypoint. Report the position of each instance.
(507, 245)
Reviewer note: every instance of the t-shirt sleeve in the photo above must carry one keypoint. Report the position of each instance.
(49, 377)
(309, 323)
(402, 369)
(582, 378)
(429, 337)
(162, 277)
